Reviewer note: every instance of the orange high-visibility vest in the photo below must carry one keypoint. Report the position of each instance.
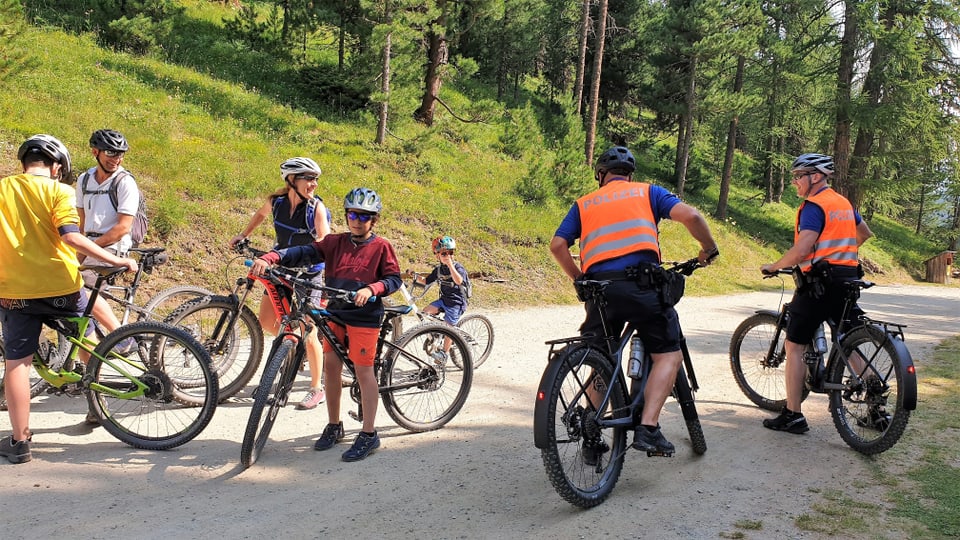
(837, 243)
(616, 220)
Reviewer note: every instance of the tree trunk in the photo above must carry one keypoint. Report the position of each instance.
(582, 58)
(684, 145)
(436, 57)
(731, 145)
(595, 85)
(385, 88)
(845, 72)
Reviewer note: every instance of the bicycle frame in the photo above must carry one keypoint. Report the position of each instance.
(148, 260)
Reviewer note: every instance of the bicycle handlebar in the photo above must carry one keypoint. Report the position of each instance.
(293, 277)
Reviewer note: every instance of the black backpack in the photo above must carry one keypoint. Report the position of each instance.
(140, 221)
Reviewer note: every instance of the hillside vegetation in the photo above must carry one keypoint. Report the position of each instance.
(206, 151)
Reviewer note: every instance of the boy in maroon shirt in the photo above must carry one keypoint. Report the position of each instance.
(356, 261)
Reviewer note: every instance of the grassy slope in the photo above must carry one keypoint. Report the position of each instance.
(206, 152)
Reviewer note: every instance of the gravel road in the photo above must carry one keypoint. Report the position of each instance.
(479, 477)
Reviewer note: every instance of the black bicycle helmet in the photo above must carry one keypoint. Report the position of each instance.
(52, 148)
(813, 163)
(363, 199)
(108, 139)
(617, 157)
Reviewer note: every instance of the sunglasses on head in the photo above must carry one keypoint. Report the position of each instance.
(113, 153)
(357, 216)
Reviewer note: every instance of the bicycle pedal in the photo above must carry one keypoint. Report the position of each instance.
(658, 453)
(355, 416)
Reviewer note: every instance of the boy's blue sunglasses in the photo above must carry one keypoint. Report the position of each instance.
(357, 216)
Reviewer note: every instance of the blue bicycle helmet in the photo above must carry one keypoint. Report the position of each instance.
(363, 199)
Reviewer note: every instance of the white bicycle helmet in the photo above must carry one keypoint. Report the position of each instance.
(363, 199)
(298, 165)
(52, 148)
(813, 163)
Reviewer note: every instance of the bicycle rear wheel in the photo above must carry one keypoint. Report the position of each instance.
(583, 460)
(869, 411)
(269, 396)
(762, 380)
(421, 390)
(479, 330)
(136, 396)
(162, 304)
(236, 349)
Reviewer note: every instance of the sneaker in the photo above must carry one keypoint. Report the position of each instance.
(591, 451)
(126, 347)
(362, 447)
(653, 442)
(313, 398)
(789, 421)
(439, 357)
(878, 419)
(332, 434)
(92, 419)
(15, 452)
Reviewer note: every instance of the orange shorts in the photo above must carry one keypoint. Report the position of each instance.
(363, 343)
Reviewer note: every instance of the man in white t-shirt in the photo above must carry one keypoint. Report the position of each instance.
(105, 224)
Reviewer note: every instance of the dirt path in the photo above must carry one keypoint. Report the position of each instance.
(479, 477)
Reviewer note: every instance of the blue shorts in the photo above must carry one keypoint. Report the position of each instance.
(23, 320)
(451, 314)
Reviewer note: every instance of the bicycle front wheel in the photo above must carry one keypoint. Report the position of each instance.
(761, 379)
(269, 396)
(423, 388)
(135, 394)
(583, 460)
(233, 339)
(869, 411)
(479, 331)
(162, 304)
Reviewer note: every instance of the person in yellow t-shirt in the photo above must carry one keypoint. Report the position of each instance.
(40, 277)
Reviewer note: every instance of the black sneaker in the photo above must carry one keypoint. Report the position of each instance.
(362, 447)
(592, 451)
(332, 434)
(877, 419)
(789, 421)
(652, 442)
(15, 452)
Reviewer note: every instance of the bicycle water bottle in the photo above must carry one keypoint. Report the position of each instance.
(636, 357)
(820, 340)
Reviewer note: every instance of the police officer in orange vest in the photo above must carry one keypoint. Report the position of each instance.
(617, 229)
(826, 239)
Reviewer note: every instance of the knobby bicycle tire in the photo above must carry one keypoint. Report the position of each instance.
(155, 418)
(419, 391)
(160, 305)
(570, 424)
(480, 335)
(236, 349)
(764, 385)
(684, 396)
(857, 408)
(270, 394)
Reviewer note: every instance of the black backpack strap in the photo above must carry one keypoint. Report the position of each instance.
(115, 186)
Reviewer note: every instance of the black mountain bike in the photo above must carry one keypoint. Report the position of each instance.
(418, 391)
(868, 375)
(568, 415)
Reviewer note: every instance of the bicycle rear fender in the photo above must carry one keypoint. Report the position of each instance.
(542, 404)
(909, 372)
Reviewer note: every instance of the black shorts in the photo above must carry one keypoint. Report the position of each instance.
(658, 326)
(808, 312)
(23, 320)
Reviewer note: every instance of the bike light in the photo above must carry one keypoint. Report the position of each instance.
(541, 396)
(912, 370)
